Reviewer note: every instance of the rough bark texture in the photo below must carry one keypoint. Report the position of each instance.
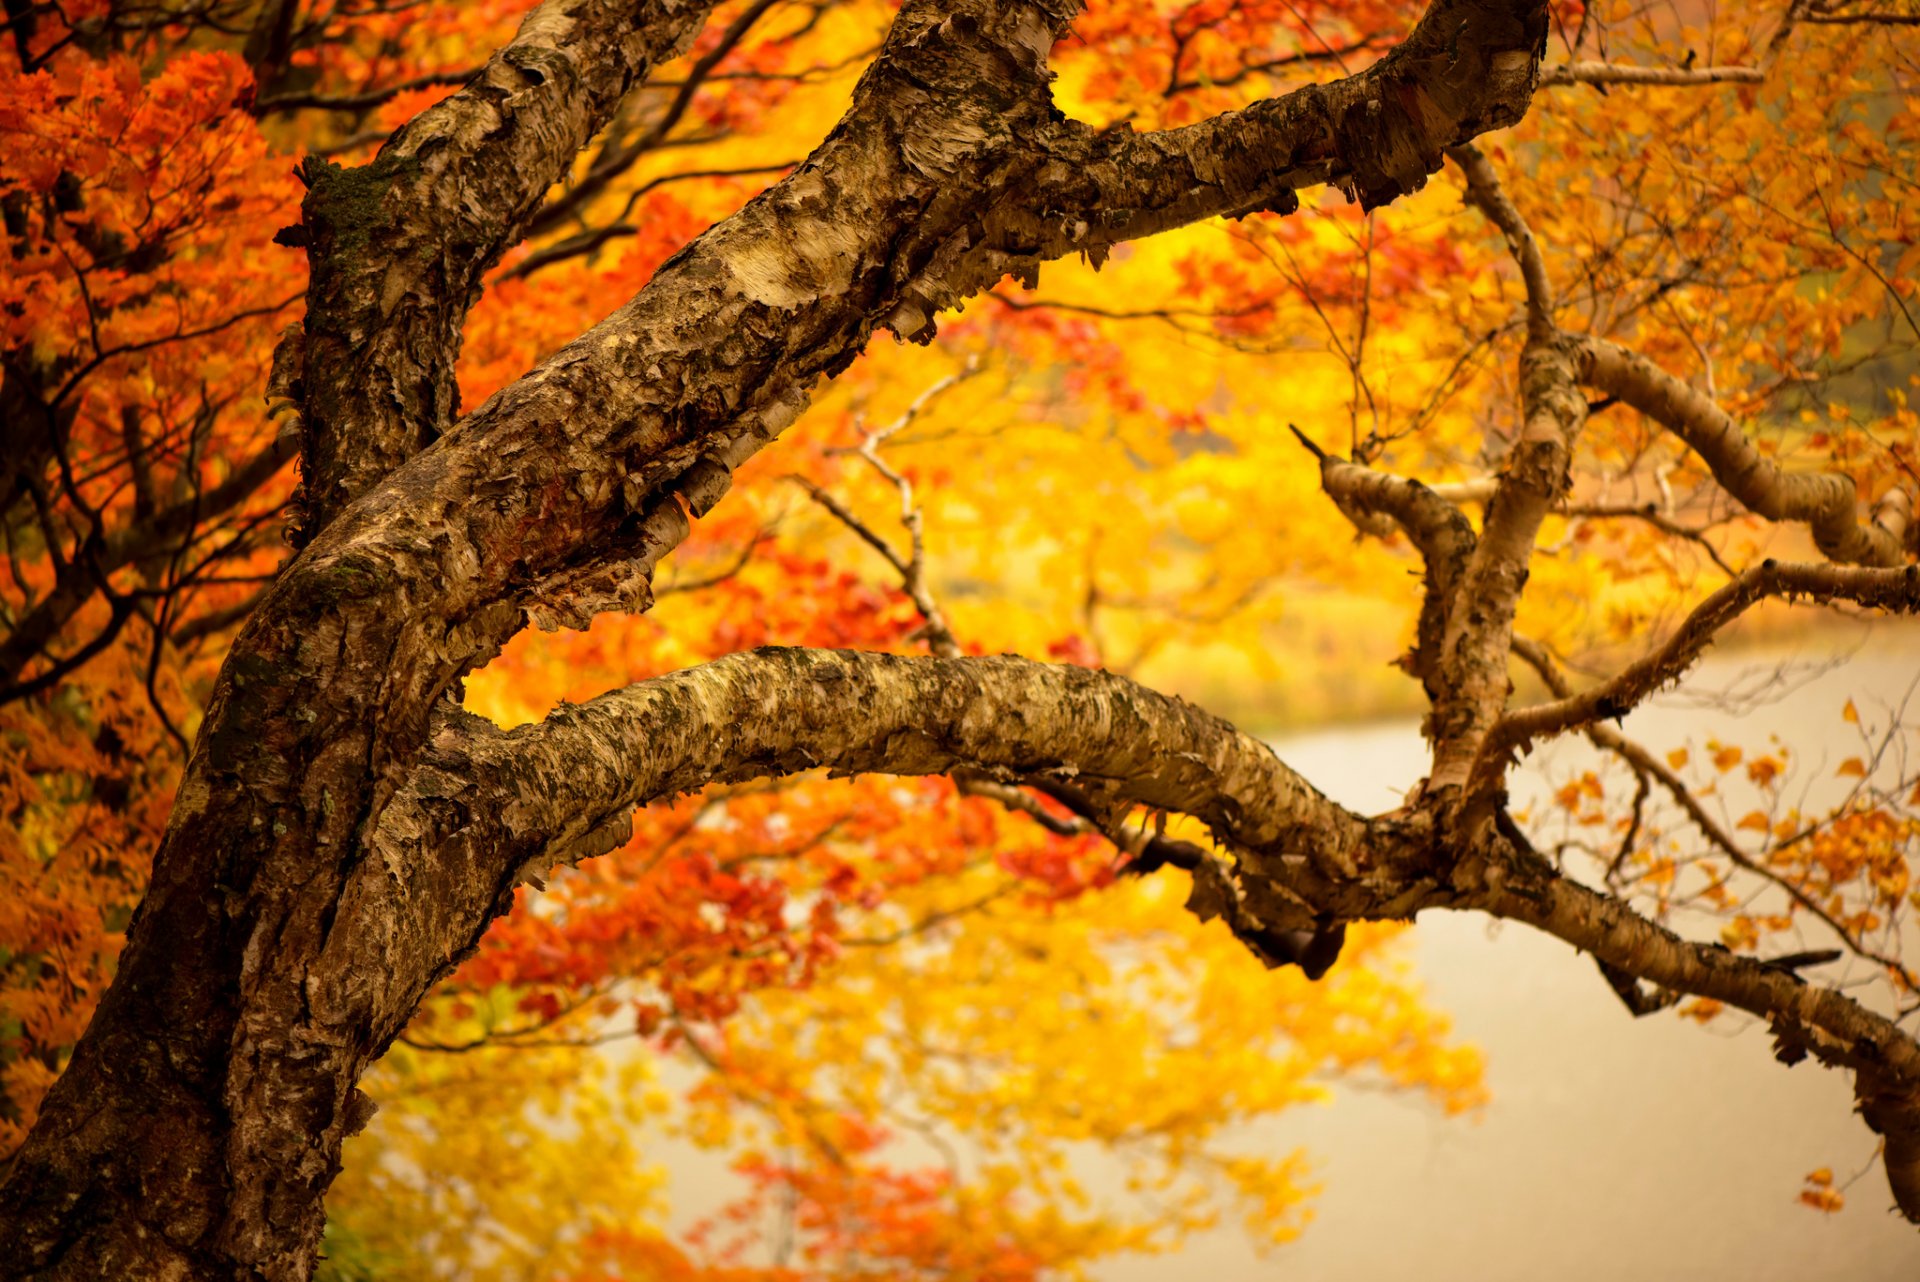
(397, 247)
(200, 1121)
(1473, 654)
(344, 834)
(1378, 504)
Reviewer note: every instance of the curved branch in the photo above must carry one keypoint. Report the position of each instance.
(511, 805)
(1647, 766)
(1468, 66)
(1805, 1018)
(1826, 502)
(1879, 588)
(555, 500)
(1378, 503)
(1486, 193)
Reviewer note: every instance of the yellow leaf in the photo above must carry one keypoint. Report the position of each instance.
(1677, 758)
(1850, 714)
(1757, 821)
(1702, 1009)
(1726, 759)
(1853, 766)
(1822, 1178)
(1827, 1200)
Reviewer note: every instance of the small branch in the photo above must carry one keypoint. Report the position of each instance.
(361, 101)
(1652, 515)
(1378, 503)
(1886, 589)
(1486, 193)
(1616, 73)
(1641, 1001)
(1647, 766)
(1879, 19)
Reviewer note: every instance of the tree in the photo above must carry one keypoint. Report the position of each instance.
(340, 807)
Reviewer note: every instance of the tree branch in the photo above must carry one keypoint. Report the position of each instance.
(1616, 73)
(1378, 503)
(554, 502)
(1647, 766)
(81, 580)
(1486, 193)
(564, 788)
(512, 804)
(396, 249)
(1879, 588)
(1472, 679)
(1826, 502)
(1805, 1018)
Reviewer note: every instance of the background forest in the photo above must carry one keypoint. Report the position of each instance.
(932, 1034)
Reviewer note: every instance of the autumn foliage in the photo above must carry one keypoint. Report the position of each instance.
(909, 1018)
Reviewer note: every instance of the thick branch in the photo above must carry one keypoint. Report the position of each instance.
(1827, 502)
(552, 791)
(397, 248)
(1472, 687)
(554, 501)
(1468, 67)
(1473, 671)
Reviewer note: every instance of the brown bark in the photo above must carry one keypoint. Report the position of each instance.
(556, 791)
(396, 248)
(1378, 504)
(1614, 73)
(200, 1121)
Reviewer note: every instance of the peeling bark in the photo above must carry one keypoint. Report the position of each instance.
(1378, 504)
(199, 1123)
(396, 248)
(1473, 656)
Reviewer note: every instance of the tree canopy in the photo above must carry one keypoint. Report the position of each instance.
(610, 570)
